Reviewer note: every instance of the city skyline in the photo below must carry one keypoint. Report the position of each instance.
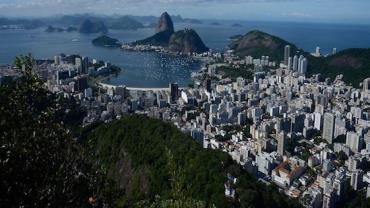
(344, 11)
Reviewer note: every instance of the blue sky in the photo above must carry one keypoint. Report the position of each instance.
(337, 11)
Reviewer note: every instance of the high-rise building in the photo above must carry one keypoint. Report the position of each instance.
(80, 83)
(300, 59)
(295, 63)
(328, 128)
(366, 85)
(357, 179)
(207, 84)
(174, 92)
(122, 91)
(303, 66)
(85, 65)
(57, 60)
(78, 64)
(282, 141)
(286, 54)
(334, 51)
(318, 51)
(318, 121)
(242, 118)
(290, 62)
(354, 141)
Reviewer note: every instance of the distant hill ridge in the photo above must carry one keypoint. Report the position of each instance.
(257, 43)
(354, 64)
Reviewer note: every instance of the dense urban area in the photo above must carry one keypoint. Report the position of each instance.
(306, 135)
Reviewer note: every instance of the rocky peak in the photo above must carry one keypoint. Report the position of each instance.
(165, 24)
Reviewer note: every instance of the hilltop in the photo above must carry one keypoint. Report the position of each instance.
(353, 64)
(187, 41)
(257, 44)
(163, 32)
(89, 26)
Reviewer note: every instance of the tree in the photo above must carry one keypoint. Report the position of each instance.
(41, 165)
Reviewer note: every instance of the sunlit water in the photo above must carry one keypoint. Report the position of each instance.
(157, 70)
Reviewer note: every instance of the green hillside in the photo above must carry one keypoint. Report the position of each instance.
(141, 155)
(256, 43)
(354, 64)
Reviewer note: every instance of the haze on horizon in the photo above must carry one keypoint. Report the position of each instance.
(325, 11)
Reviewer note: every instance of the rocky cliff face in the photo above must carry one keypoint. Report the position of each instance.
(165, 24)
(164, 30)
(186, 41)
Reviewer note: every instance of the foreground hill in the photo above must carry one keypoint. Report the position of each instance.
(257, 44)
(147, 157)
(353, 64)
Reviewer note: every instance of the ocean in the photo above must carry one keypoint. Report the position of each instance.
(158, 70)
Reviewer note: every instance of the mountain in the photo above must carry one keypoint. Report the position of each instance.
(124, 23)
(353, 64)
(165, 24)
(256, 43)
(159, 39)
(89, 26)
(187, 41)
(106, 41)
(164, 30)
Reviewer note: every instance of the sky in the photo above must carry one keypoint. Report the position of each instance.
(326, 11)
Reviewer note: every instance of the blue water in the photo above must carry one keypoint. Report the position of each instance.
(157, 70)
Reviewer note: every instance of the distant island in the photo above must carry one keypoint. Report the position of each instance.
(235, 37)
(71, 29)
(237, 25)
(184, 41)
(51, 29)
(215, 23)
(105, 41)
